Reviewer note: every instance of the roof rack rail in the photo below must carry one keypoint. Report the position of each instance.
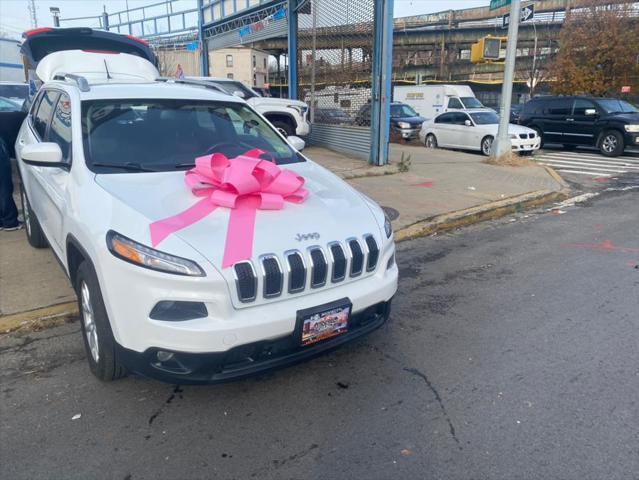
(79, 80)
(197, 83)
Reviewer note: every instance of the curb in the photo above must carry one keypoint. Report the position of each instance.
(551, 171)
(369, 173)
(470, 216)
(39, 318)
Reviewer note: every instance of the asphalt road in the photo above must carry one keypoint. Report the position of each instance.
(511, 354)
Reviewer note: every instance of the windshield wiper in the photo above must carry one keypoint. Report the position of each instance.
(184, 165)
(130, 166)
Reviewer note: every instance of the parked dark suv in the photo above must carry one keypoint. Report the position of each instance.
(606, 123)
(404, 121)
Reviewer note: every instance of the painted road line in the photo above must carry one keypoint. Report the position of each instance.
(618, 163)
(594, 174)
(584, 167)
(612, 168)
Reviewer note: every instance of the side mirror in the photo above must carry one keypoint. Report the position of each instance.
(296, 142)
(468, 123)
(590, 111)
(46, 154)
(239, 93)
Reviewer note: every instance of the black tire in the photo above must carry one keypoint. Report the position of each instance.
(96, 329)
(430, 141)
(32, 228)
(611, 143)
(285, 128)
(540, 134)
(486, 145)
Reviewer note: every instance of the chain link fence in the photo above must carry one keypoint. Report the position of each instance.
(335, 47)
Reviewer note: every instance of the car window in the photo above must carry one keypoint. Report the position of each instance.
(453, 102)
(7, 105)
(580, 106)
(164, 135)
(402, 111)
(60, 130)
(445, 118)
(14, 91)
(560, 106)
(42, 116)
(611, 105)
(471, 102)
(485, 118)
(461, 118)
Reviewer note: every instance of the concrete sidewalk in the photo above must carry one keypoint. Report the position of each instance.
(441, 189)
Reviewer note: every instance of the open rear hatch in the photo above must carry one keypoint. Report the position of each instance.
(41, 42)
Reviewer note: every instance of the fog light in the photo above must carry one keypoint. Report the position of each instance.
(164, 356)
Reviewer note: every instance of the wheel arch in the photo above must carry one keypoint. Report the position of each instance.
(76, 254)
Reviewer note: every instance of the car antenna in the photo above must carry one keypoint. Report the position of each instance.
(109, 77)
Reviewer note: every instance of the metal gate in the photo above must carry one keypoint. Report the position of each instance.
(335, 67)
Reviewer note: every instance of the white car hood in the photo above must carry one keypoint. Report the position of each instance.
(333, 210)
(276, 102)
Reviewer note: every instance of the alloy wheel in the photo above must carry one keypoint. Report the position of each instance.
(88, 319)
(487, 146)
(609, 143)
(430, 141)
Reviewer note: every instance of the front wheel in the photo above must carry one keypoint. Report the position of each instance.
(35, 236)
(611, 143)
(431, 141)
(284, 128)
(99, 343)
(487, 146)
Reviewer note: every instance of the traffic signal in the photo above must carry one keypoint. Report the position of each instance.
(487, 49)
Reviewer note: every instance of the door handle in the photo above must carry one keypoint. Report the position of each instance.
(570, 119)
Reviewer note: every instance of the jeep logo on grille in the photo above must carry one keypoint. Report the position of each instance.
(300, 237)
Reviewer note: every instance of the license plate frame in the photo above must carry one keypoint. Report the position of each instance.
(320, 323)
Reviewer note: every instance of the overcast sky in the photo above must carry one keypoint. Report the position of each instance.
(14, 14)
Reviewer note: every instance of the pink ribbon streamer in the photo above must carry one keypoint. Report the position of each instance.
(244, 184)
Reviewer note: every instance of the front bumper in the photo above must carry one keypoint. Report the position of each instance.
(525, 145)
(631, 139)
(303, 128)
(249, 359)
(408, 133)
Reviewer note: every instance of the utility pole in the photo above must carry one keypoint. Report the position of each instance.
(502, 143)
(314, 6)
(32, 14)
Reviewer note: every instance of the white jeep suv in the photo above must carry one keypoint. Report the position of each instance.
(202, 245)
(290, 117)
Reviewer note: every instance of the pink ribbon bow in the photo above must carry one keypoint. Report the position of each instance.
(244, 184)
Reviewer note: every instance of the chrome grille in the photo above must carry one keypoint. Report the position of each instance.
(273, 276)
(296, 272)
(339, 262)
(319, 267)
(357, 257)
(246, 281)
(313, 268)
(373, 253)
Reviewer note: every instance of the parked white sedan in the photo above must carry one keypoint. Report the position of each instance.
(475, 130)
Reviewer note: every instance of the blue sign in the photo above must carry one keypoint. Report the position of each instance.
(192, 46)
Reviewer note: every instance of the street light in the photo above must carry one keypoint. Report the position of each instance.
(55, 11)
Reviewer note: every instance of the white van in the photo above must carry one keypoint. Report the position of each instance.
(431, 100)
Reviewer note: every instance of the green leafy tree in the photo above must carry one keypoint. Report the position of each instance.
(598, 48)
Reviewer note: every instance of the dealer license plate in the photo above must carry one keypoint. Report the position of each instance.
(323, 324)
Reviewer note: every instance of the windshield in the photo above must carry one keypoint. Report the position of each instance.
(485, 118)
(14, 91)
(402, 111)
(164, 135)
(232, 87)
(471, 102)
(617, 106)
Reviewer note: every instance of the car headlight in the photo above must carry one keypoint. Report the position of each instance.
(138, 254)
(634, 128)
(388, 228)
(403, 125)
(514, 136)
(299, 109)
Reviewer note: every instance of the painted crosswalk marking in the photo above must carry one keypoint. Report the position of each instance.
(592, 164)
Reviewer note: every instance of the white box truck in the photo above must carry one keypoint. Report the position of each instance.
(431, 100)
